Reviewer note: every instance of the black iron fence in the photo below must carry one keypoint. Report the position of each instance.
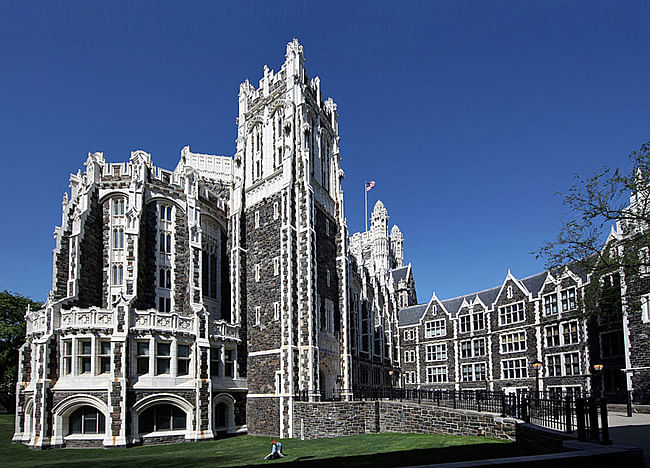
(586, 417)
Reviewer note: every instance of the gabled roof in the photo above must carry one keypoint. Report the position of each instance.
(487, 296)
(399, 274)
(534, 283)
(579, 270)
(411, 315)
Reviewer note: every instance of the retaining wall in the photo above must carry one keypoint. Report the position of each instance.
(333, 419)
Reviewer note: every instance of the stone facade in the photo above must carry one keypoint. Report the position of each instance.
(334, 419)
(203, 300)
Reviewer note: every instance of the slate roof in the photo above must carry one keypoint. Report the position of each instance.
(399, 274)
(533, 283)
(579, 270)
(411, 315)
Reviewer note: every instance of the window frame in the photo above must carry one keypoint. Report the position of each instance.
(509, 316)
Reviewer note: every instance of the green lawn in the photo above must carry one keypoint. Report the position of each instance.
(372, 450)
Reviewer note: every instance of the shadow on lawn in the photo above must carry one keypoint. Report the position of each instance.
(411, 457)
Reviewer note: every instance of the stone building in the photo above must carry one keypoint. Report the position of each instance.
(206, 300)
(490, 339)
(202, 300)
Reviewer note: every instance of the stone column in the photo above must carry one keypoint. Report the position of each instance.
(118, 418)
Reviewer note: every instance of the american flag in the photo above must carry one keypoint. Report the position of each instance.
(370, 185)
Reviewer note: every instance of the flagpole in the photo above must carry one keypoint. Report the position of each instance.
(365, 194)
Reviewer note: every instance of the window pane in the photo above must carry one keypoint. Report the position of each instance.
(183, 350)
(105, 347)
(90, 422)
(163, 417)
(146, 420)
(178, 418)
(183, 367)
(75, 422)
(163, 366)
(164, 349)
(143, 365)
(143, 348)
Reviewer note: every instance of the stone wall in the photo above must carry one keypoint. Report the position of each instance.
(60, 286)
(170, 439)
(263, 246)
(261, 373)
(91, 256)
(325, 231)
(147, 258)
(59, 396)
(85, 443)
(182, 264)
(263, 416)
(240, 407)
(334, 419)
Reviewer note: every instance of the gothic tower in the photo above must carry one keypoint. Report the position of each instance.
(379, 232)
(289, 244)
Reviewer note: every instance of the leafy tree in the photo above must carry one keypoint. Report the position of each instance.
(595, 204)
(12, 336)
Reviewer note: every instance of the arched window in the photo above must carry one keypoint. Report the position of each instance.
(118, 274)
(118, 207)
(87, 420)
(118, 238)
(162, 418)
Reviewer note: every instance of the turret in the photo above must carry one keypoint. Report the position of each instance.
(379, 230)
(397, 246)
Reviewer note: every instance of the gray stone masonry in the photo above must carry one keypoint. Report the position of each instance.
(147, 259)
(262, 416)
(334, 419)
(91, 257)
(182, 265)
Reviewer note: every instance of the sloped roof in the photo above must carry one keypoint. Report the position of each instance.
(488, 296)
(534, 283)
(411, 315)
(579, 270)
(399, 274)
(452, 305)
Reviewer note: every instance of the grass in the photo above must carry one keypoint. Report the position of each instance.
(370, 450)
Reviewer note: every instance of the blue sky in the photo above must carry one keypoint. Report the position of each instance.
(470, 116)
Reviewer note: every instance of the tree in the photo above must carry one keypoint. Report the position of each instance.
(12, 336)
(609, 197)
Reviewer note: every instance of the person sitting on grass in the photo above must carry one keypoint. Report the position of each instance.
(276, 451)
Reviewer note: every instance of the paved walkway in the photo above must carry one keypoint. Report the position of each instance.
(631, 431)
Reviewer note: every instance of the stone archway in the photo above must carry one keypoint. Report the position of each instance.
(223, 413)
(62, 411)
(329, 388)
